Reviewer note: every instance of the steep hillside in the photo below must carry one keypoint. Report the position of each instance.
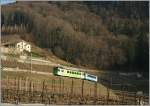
(94, 34)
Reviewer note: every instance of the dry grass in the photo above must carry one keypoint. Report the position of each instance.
(77, 86)
(88, 86)
(44, 53)
(14, 64)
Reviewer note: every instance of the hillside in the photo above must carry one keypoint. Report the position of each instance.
(106, 39)
(93, 34)
(14, 67)
(18, 80)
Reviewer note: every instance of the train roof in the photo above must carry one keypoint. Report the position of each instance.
(68, 69)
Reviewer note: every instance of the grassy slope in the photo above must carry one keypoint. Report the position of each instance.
(102, 90)
(88, 86)
(44, 53)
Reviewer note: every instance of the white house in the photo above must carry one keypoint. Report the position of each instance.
(21, 46)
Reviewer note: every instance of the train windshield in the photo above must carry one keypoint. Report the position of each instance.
(92, 76)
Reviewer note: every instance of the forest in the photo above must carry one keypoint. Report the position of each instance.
(102, 35)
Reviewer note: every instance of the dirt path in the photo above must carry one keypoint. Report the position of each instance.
(22, 70)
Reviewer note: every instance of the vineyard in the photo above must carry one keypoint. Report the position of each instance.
(25, 84)
(60, 91)
(26, 87)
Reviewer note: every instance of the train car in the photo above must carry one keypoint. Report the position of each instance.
(60, 71)
(91, 77)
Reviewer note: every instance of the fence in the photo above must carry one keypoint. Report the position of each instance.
(58, 91)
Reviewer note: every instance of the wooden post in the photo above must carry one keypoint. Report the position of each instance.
(7, 82)
(122, 89)
(18, 91)
(36, 86)
(135, 102)
(90, 92)
(99, 92)
(139, 100)
(31, 63)
(72, 85)
(29, 91)
(54, 85)
(95, 92)
(20, 84)
(43, 87)
(7, 87)
(60, 86)
(123, 94)
(82, 88)
(63, 86)
(33, 87)
(16, 83)
(26, 85)
(107, 95)
(47, 93)
(71, 91)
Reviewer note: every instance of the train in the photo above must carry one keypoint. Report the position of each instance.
(60, 71)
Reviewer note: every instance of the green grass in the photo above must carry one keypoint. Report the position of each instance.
(36, 54)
